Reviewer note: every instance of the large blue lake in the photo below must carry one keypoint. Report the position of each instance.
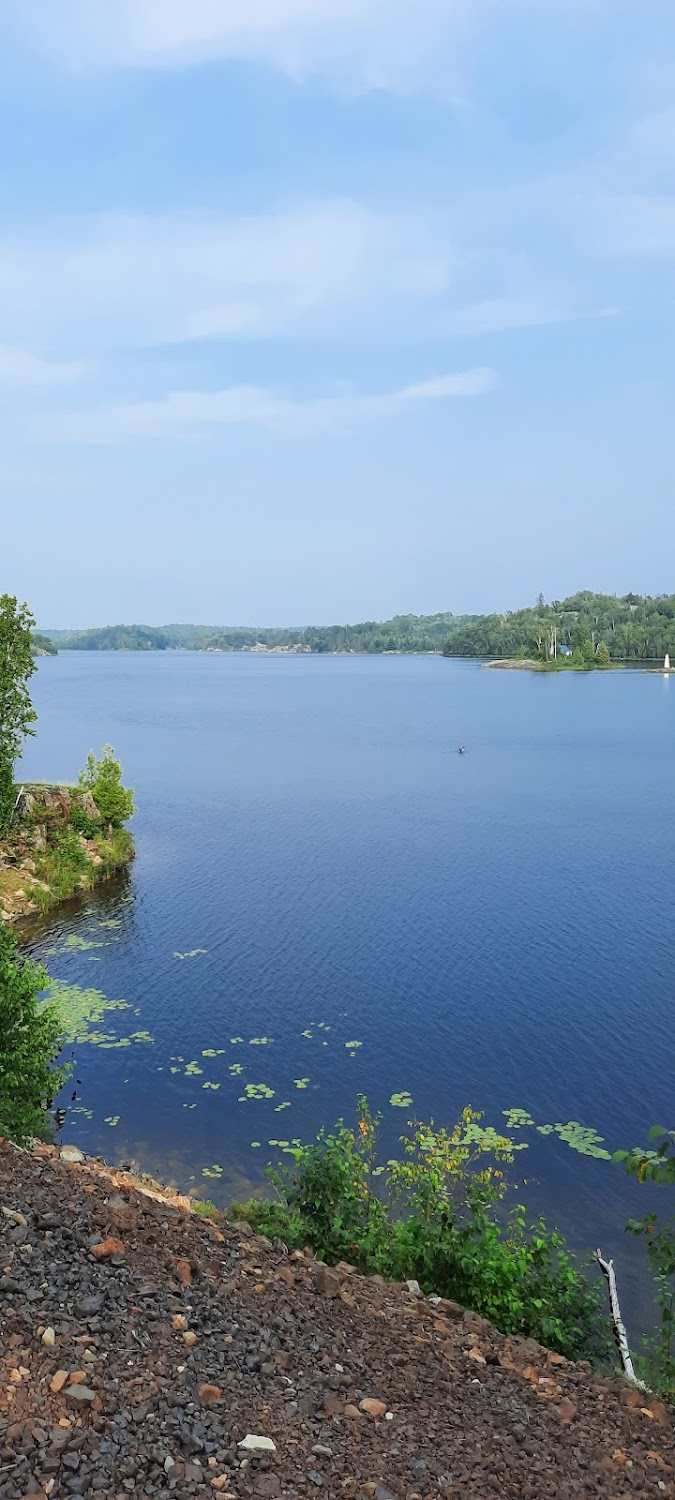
(493, 929)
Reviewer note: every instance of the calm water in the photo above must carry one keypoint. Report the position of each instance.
(494, 929)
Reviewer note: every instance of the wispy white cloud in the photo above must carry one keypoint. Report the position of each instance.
(190, 414)
(21, 368)
(365, 43)
(468, 383)
(113, 281)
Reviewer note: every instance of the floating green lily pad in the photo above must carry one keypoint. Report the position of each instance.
(256, 1091)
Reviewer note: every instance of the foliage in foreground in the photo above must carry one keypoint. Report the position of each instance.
(17, 714)
(657, 1165)
(434, 1215)
(30, 1042)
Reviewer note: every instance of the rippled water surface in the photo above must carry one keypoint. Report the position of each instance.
(317, 868)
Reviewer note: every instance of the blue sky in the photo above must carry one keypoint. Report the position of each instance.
(321, 310)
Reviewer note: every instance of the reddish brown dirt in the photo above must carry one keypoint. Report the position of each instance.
(139, 1345)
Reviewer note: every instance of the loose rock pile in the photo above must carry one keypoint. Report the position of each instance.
(143, 1351)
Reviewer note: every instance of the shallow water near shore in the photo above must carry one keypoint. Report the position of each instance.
(327, 898)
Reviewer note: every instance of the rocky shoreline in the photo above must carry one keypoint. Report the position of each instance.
(43, 814)
(148, 1351)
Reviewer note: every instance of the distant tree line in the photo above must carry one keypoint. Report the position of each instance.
(596, 628)
(403, 633)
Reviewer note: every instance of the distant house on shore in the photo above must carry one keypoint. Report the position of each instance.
(565, 650)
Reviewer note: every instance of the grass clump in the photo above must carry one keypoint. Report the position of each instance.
(436, 1214)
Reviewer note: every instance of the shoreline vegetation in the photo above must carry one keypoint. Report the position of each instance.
(55, 841)
(583, 632)
(59, 846)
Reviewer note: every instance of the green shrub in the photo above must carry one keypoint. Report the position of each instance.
(657, 1362)
(29, 1044)
(436, 1215)
(103, 778)
(82, 821)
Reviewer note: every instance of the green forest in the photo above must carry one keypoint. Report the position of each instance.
(596, 628)
(403, 633)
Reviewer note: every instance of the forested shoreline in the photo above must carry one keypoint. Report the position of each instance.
(402, 633)
(593, 628)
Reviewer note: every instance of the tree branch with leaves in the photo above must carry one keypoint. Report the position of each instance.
(17, 715)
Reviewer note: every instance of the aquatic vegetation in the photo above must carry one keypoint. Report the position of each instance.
(256, 1091)
(211, 1086)
(235, 1040)
(80, 944)
(111, 922)
(213, 1171)
(82, 1009)
(213, 1051)
(235, 1069)
(112, 1120)
(260, 1041)
(351, 1046)
(401, 1101)
(301, 1083)
(193, 1070)
(192, 953)
(279, 1107)
(578, 1137)
(516, 1119)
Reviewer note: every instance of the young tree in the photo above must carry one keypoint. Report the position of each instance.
(103, 778)
(30, 1042)
(17, 714)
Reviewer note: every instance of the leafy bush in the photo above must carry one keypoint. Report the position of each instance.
(103, 778)
(29, 1044)
(82, 821)
(435, 1215)
(657, 1364)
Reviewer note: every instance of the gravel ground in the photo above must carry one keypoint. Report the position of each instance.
(140, 1347)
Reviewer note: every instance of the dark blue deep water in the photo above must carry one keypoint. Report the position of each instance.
(494, 929)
